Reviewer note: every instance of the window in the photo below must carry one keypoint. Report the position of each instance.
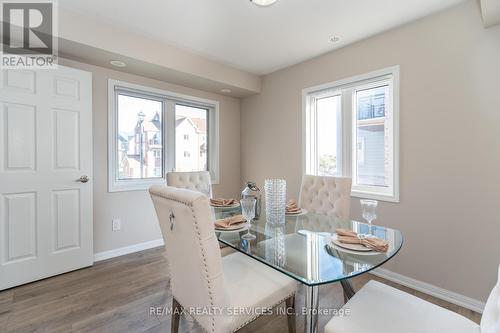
(351, 129)
(152, 132)
(372, 160)
(325, 115)
(140, 124)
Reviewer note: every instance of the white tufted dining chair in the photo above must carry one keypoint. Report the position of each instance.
(326, 195)
(378, 308)
(204, 281)
(199, 181)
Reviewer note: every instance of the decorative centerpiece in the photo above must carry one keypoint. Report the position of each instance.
(275, 200)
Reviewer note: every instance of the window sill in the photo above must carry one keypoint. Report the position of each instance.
(375, 196)
(134, 185)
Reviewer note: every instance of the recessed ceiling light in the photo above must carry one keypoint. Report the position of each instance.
(335, 39)
(225, 91)
(263, 3)
(118, 63)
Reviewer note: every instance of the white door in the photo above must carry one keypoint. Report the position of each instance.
(45, 147)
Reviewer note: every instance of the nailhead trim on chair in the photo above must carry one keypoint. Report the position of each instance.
(159, 194)
(190, 204)
(205, 266)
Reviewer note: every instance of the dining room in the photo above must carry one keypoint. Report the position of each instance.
(250, 166)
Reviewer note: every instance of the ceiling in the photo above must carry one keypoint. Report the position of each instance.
(254, 39)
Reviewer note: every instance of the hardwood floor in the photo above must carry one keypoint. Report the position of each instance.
(116, 296)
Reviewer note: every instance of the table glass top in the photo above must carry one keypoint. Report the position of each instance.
(302, 249)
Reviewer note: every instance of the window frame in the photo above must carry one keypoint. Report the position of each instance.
(347, 88)
(169, 100)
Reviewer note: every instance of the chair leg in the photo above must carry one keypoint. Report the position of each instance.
(348, 290)
(176, 316)
(290, 315)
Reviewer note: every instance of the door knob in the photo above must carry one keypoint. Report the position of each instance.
(83, 179)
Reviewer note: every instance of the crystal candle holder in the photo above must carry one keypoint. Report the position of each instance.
(275, 190)
(275, 247)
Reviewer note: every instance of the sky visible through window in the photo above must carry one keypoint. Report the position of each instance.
(129, 107)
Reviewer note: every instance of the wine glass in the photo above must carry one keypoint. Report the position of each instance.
(248, 211)
(369, 208)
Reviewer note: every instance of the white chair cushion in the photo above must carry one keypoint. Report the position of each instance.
(250, 284)
(378, 308)
(490, 322)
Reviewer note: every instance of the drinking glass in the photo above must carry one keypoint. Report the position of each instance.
(369, 208)
(248, 211)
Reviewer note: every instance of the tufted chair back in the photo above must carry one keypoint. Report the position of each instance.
(197, 181)
(192, 250)
(490, 321)
(326, 195)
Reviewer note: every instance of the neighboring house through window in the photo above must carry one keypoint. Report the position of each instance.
(153, 131)
(192, 125)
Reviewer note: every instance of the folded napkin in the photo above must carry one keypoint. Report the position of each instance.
(351, 237)
(292, 207)
(229, 221)
(223, 202)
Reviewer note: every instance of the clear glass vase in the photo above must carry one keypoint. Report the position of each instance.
(275, 245)
(275, 200)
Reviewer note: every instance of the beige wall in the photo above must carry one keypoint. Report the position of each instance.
(139, 223)
(450, 141)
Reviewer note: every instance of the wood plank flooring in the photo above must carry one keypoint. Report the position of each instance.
(116, 296)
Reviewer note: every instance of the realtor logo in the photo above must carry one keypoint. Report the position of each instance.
(28, 34)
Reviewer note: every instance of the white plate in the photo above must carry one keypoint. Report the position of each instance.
(236, 227)
(302, 212)
(352, 247)
(359, 253)
(228, 207)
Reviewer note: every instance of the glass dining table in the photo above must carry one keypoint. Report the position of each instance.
(302, 249)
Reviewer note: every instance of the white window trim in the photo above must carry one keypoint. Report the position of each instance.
(169, 98)
(346, 154)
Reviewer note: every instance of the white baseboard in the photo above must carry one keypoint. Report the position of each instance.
(426, 288)
(127, 250)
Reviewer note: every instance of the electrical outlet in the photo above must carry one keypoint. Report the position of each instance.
(117, 225)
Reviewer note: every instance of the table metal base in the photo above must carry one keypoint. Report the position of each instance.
(312, 304)
(311, 308)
